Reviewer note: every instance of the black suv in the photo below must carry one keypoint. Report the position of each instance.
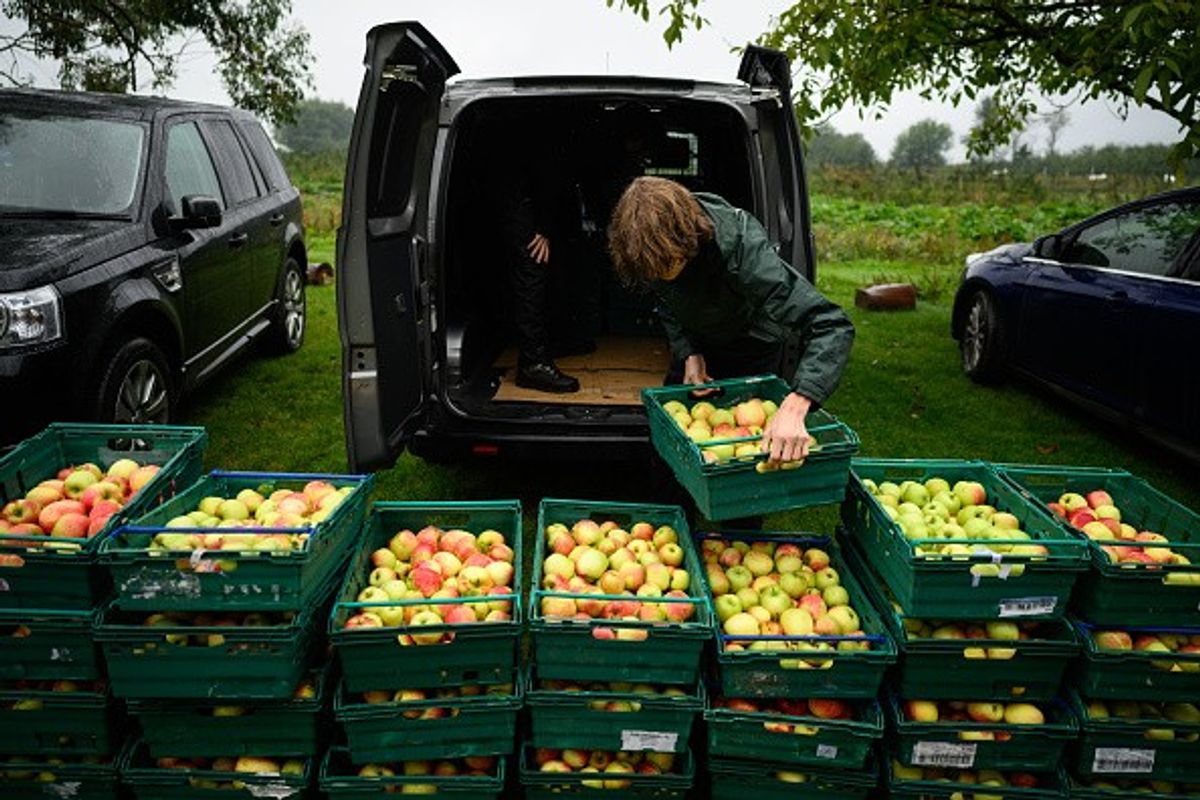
(143, 243)
(423, 306)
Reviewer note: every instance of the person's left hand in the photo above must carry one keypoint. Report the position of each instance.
(785, 438)
(538, 249)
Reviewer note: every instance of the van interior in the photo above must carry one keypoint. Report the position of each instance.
(576, 155)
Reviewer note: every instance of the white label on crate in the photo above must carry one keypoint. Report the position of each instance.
(1028, 606)
(826, 751)
(3, 585)
(65, 789)
(658, 741)
(60, 654)
(1123, 759)
(943, 754)
(277, 791)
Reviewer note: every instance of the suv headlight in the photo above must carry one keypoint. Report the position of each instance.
(32, 317)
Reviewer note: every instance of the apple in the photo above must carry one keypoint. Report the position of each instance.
(79, 480)
(1023, 714)
(921, 711)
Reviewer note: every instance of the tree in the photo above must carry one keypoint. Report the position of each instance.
(827, 147)
(103, 45)
(1054, 121)
(320, 126)
(922, 144)
(853, 52)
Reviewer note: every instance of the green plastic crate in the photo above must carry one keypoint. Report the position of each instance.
(795, 741)
(1132, 674)
(540, 785)
(68, 579)
(1051, 786)
(949, 669)
(481, 725)
(798, 673)
(49, 723)
(572, 720)
(340, 781)
(190, 729)
(975, 587)
(232, 580)
(253, 663)
(48, 645)
(1030, 748)
(1143, 748)
(593, 650)
(1124, 594)
(738, 780)
(736, 488)
(385, 658)
(24, 778)
(1121, 788)
(149, 782)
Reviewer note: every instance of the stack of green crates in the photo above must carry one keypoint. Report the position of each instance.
(219, 653)
(413, 696)
(1137, 690)
(782, 711)
(984, 645)
(598, 683)
(54, 700)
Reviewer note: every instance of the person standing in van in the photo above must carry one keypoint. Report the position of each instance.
(539, 206)
(730, 304)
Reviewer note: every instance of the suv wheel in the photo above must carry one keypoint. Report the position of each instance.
(135, 384)
(981, 344)
(287, 329)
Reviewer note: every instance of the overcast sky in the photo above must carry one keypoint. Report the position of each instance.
(490, 38)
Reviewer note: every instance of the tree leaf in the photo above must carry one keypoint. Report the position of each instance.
(1142, 84)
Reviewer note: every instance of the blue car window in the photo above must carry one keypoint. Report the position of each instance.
(1145, 240)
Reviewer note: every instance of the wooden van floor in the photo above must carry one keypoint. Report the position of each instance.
(614, 375)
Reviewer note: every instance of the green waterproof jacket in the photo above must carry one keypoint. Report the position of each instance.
(738, 286)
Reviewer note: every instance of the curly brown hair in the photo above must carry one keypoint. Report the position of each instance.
(656, 225)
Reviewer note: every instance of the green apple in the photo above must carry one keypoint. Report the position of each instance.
(726, 606)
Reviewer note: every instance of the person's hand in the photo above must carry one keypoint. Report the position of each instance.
(538, 249)
(695, 370)
(785, 438)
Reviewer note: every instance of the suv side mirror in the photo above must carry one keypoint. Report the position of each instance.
(200, 211)
(1049, 246)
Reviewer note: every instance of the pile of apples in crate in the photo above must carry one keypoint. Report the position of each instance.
(704, 422)
(764, 589)
(605, 765)
(443, 565)
(935, 509)
(1099, 518)
(251, 508)
(75, 504)
(643, 564)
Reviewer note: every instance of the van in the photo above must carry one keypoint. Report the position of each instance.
(424, 304)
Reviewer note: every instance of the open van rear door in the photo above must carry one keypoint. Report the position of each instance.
(383, 285)
(788, 220)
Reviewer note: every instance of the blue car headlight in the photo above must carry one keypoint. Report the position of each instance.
(30, 317)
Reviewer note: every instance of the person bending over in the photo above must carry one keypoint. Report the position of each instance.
(731, 306)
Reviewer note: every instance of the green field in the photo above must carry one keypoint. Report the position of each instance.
(903, 391)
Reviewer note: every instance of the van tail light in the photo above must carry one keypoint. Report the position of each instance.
(485, 449)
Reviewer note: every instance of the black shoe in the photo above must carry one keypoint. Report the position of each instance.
(573, 347)
(545, 377)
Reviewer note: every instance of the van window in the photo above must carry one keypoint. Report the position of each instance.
(394, 147)
(235, 169)
(679, 157)
(189, 167)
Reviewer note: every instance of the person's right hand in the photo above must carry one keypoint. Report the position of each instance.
(538, 249)
(695, 370)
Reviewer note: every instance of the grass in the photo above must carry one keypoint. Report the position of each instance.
(903, 392)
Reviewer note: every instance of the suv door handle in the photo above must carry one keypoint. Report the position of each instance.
(238, 239)
(276, 219)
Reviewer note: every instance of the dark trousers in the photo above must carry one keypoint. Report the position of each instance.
(555, 302)
(741, 358)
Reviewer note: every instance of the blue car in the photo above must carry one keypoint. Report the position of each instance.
(1105, 312)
